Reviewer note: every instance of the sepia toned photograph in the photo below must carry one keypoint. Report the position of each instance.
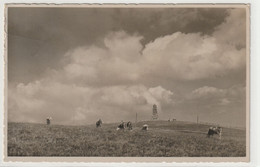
(127, 81)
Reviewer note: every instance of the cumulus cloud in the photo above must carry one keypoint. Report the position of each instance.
(195, 56)
(115, 63)
(107, 80)
(70, 103)
(181, 56)
(206, 92)
(178, 56)
(161, 94)
(213, 96)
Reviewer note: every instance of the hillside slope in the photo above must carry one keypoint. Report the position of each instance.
(169, 139)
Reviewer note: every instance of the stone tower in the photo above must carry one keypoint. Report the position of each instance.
(155, 112)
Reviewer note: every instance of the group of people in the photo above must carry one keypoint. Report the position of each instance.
(123, 125)
(128, 125)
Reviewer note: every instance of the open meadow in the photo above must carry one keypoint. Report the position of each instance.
(163, 139)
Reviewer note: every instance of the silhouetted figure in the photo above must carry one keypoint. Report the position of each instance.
(121, 126)
(145, 127)
(129, 125)
(99, 123)
(215, 130)
(48, 120)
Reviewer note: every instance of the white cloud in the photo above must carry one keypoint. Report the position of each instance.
(224, 101)
(124, 46)
(69, 104)
(116, 62)
(29, 89)
(106, 81)
(178, 56)
(206, 92)
(195, 56)
(216, 96)
(161, 94)
(181, 56)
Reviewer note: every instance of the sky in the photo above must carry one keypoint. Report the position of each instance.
(81, 64)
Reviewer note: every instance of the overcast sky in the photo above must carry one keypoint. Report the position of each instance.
(81, 64)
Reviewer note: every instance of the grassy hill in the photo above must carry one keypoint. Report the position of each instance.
(163, 139)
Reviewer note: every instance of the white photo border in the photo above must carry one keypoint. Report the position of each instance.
(254, 82)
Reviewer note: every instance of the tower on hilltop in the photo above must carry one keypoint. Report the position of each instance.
(155, 112)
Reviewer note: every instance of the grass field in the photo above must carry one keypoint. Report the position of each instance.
(163, 139)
